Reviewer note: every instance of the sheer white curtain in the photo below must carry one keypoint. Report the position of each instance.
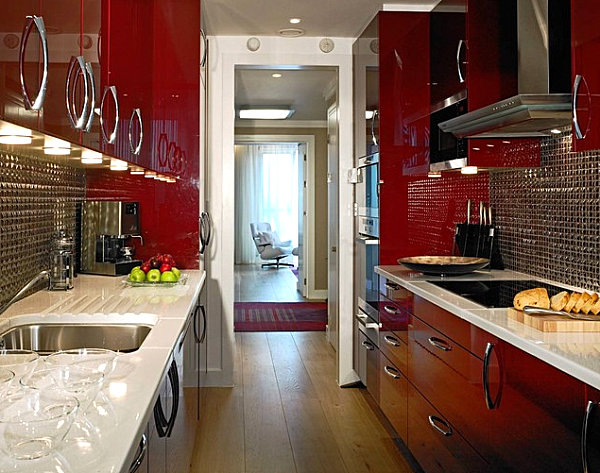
(266, 190)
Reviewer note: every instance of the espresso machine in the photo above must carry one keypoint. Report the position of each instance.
(106, 232)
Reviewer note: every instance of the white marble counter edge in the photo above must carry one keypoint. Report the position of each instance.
(482, 318)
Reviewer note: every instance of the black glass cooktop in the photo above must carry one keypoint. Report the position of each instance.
(493, 294)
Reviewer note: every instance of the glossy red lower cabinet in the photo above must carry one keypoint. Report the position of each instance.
(393, 387)
(368, 364)
(591, 433)
(435, 443)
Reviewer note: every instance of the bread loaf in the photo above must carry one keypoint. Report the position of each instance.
(589, 304)
(559, 301)
(595, 309)
(581, 302)
(537, 297)
(572, 301)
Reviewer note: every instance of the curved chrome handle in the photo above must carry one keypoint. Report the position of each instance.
(435, 420)
(195, 324)
(392, 285)
(362, 320)
(203, 312)
(208, 227)
(142, 448)
(77, 122)
(138, 147)
(439, 343)
(174, 379)
(205, 52)
(392, 372)
(38, 22)
(92, 100)
(391, 341)
(368, 345)
(113, 135)
(461, 44)
(489, 402)
(576, 84)
(390, 309)
(373, 137)
(160, 421)
(584, 435)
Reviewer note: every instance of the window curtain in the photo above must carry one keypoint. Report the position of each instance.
(266, 190)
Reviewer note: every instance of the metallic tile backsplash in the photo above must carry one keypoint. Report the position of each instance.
(36, 200)
(549, 217)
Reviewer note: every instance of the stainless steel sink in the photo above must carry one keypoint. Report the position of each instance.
(48, 338)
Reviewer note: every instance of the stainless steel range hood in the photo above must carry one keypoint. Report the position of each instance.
(544, 100)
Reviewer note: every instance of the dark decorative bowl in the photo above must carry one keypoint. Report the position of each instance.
(446, 265)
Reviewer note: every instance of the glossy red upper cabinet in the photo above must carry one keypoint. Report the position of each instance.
(65, 108)
(585, 49)
(23, 62)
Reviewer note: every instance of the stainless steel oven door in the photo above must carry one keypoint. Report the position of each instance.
(367, 188)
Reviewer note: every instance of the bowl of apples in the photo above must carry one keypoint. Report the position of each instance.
(158, 270)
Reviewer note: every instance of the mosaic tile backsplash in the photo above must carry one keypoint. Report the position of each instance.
(36, 200)
(549, 217)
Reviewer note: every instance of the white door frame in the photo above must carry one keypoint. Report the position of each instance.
(308, 247)
(226, 53)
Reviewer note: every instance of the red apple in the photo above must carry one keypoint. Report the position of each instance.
(165, 267)
(145, 267)
(155, 263)
(168, 259)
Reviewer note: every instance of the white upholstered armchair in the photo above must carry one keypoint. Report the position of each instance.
(269, 246)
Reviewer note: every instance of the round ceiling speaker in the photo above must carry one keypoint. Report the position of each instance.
(374, 46)
(291, 32)
(253, 44)
(326, 45)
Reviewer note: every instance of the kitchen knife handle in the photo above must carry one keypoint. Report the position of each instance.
(584, 435)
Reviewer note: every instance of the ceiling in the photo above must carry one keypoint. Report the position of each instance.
(302, 88)
(330, 18)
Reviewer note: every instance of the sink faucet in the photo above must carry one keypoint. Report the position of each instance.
(38, 277)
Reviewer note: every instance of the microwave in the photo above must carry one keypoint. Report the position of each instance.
(446, 150)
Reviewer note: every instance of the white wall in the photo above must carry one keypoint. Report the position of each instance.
(225, 53)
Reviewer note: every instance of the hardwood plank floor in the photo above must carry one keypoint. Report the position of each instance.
(256, 284)
(286, 414)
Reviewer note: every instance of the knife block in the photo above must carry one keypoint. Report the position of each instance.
(479, 241)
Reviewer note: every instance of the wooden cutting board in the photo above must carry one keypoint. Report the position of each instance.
(554, 323)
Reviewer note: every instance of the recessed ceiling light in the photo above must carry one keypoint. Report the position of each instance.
(137, 171)
(149, 174)
(15, 135)
(56, 147)
(265, 113)
(118, 165)
(89, 156)
(295, 21)
(277, 75)
(434, 174)
(291, 32)
(469, 170)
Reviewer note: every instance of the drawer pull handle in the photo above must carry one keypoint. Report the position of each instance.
(390, 309)
(362, 319)
(489, 402)
(435, 422)
(391, 341)
(392, 286)
(584, 435)
(392, 372)
(439, 343)
(368, 346)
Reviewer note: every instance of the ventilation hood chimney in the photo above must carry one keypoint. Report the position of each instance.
(544, 78)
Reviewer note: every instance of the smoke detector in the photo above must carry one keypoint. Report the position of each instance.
(291, 32)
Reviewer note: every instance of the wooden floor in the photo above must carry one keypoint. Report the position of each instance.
(256, 284)
(286, 414)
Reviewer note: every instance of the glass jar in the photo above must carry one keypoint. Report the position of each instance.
(61, 263)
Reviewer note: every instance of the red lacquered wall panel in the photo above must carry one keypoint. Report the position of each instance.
(168, 212)
(509, 152)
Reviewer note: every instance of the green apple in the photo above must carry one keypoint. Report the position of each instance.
(153, 275)
(137, 275)
(168, 276)
(176, 272)
(136, 267)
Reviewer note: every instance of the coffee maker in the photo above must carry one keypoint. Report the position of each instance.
(106, 230)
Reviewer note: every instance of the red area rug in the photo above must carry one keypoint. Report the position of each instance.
(280, 316)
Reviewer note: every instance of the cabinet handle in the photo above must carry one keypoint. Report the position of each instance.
(136, 113)
(77, 122)
(392, 286)
(392, 372)
(434, 421)
(203, 312)
(113, 135)
(373, 137)
(205, 231)
(576, 84)
(461, 43)
(390, 309)
(205, 51)
(369, 346)
(391, 341)
(142, 448)
(584, 435)
(38, 22)
(160, 420)
(195, 324)
(439, 343)
(362, 320)
(174, 379)
(92, 100)
(489, 402)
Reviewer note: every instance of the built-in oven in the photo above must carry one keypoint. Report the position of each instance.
(366, 287)
(446, 150)
(367, 195)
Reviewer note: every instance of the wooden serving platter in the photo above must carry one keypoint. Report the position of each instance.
(554, 323)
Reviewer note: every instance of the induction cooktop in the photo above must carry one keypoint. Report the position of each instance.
(494, 294)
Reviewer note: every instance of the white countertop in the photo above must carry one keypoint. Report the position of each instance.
(126, 403)
(575, 353)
